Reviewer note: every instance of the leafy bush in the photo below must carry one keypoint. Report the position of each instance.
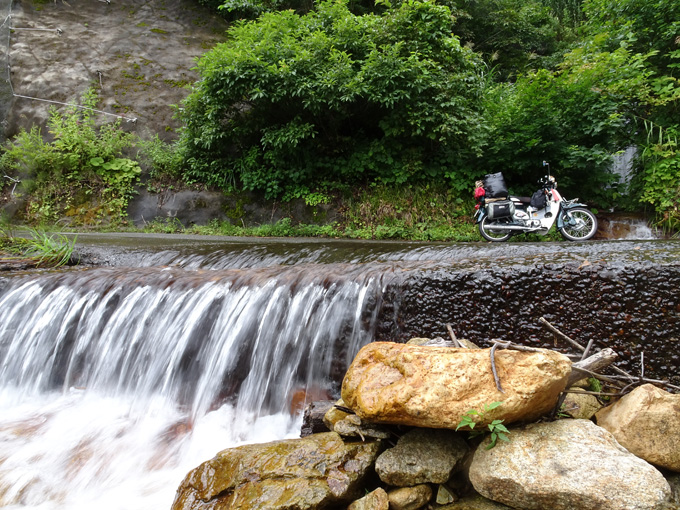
(661, 176)
(164, 159)
(577, 118)
(509, 34)
(82, 173)
(292, 104)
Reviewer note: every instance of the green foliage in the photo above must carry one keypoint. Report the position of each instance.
(496, 428)
(45, 250)
(81, 173)
(511, 35)
(164, 159)
(296, 103)
(660, 175)
(576, 117)
(642, 25)
(423, 213)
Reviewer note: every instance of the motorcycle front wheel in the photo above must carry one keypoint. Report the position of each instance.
(579, 224)
(488, 233)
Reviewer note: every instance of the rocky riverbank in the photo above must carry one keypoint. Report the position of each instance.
(393, 441)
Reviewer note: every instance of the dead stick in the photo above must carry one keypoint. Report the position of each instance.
(493, 367)
(651, 381)
(517, 347)
(453, 336)
(590, 344)
(578, 345)
(602, 377)
(596, 393)
(561, 335)
(593, 363)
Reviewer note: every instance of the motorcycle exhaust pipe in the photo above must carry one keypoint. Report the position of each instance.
(511, 227)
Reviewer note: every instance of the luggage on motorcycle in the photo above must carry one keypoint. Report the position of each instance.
(538, 200)
(495, 186)
(499, 209)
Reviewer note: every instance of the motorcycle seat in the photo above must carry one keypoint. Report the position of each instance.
(523, 200)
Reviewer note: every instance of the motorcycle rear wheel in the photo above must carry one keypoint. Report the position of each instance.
(495, 236)
(579, 224)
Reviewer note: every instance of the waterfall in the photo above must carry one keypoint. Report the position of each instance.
(117, 381)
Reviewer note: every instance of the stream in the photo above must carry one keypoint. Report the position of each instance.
(120, 375)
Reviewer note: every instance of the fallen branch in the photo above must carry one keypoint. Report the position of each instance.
(506, 344)
(493, 364)
(596, 393)
(593, 363)
(574, 343)
(552, 328)
(453, 336)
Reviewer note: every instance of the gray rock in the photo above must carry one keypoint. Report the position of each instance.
(579, 405)
(139, 55)
(565, 465)
(421, 456)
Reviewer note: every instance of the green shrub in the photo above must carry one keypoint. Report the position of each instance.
(82, 173)
(293, 104)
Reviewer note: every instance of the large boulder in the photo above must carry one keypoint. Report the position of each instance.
(314, 472)
(421, 456)
(435, 387)
(646, 422)
(565, 465)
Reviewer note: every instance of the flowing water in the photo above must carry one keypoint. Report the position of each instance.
(116, 380)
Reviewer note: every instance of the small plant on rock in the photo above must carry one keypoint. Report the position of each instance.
(496, 427)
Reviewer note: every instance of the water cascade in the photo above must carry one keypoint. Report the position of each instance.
(116, 380)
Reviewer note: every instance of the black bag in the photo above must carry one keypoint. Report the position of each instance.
(494, 184)
(538, 199)
(500, 209)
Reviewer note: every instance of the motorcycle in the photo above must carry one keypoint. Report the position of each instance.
(500, 216)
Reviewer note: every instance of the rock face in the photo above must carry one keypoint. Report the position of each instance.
(435, 387)
(646, 423)
(565, 465)
(421, 456)
(139, 55)
(314, 472)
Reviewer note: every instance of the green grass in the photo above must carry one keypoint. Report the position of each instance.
(40, 248)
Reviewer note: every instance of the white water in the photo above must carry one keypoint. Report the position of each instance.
(84, 450)
(114, 383)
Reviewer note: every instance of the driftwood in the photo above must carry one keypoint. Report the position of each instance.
(586, 367)
(589, 367)
(580, 370)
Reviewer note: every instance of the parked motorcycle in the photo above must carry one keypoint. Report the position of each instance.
(500, 215)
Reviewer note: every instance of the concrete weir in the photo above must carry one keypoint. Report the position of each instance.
(624, 294)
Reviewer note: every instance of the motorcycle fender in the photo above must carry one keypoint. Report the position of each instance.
(479, 215)
(565, 208)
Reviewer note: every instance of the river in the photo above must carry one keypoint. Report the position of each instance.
(119, 376)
